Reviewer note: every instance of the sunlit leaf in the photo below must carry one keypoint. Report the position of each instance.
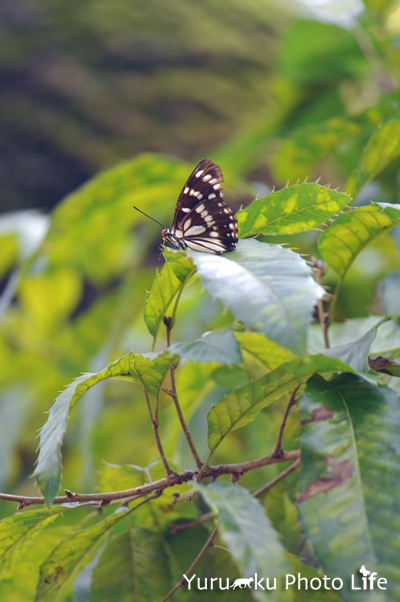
(152, 369)
(216, 346)
(249, 535)
(267, 287)
(132, 566)
(266, 351)
(382, 148)
(292, 209)
(149, 371)
(70, 557)
(17, 533)
(241, 406)
(351, 232)
(181, 265)
(164, 289)
(349, 482)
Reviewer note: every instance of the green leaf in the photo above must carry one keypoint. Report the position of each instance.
(355, 354)
(351, 232)
(266, 351)
(240, 407)
(149, 371)
(290, 210)
(181, 265)
(349, 482)
(18, 532)
(382, 148)
(132, 566)
(152, 369)
(164, 289)
(298, 155)
(216, 346)
(267, 287)
(70, 557)
(247, 532)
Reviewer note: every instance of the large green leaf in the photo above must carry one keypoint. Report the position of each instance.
(216, 346)
(267, 287)
(351, 232)
(382, 148)
(292, 209)
(240, 407)
(149, 371)
(349, 483)
(306, 146)
(252, 540)
(71, 556)
(18, 532)
(181, 265)
(132, 566)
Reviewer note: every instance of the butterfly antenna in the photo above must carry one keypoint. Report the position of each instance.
(154, 220)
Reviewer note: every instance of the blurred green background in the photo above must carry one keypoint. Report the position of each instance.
(136, 92)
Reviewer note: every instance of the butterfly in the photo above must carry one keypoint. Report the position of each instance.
(203, 221)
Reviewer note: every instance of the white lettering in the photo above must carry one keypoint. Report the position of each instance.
(319, 583)
(258, 583)
(220, 583)
(287, 580)
(198, 583)
(325, 583)
(372, 578)
(212, 580)
(299, 580)
(353, 585)
(267, 583)
(189, 580)
(340, 583)
(378, 583)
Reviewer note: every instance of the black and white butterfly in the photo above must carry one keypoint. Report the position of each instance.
(203, 221)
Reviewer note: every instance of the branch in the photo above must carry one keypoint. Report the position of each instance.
(207, 545)
(278, 445)
(156, 435)
(169, 481)
(280, 477)
(199, 463)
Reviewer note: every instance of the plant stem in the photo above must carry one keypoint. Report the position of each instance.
(280, 477)
(199, 463)
(157, 436)
(204, 549)
(277, 451)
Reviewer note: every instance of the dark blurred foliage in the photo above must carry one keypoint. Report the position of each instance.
(87, 84)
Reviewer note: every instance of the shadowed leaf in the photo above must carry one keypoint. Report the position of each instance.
(349, 479)
(216, 346)
(240, 407)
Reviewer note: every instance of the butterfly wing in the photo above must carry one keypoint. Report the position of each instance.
(203, 220)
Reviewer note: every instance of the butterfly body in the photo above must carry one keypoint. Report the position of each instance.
(203, 221)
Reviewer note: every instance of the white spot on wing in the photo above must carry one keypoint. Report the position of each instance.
(186, 209)
(187, 223)
(214, 234)
(198, 173)
(195, 230)
(186, 190)
(206, 178)
(211, 196)
(200, 208)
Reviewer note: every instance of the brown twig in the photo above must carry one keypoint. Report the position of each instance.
(277, 451)
(199, 463)
(204, 519)
(169, 481)
(204, 549)
(156, 435)
(280, 477)
(323, 317)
